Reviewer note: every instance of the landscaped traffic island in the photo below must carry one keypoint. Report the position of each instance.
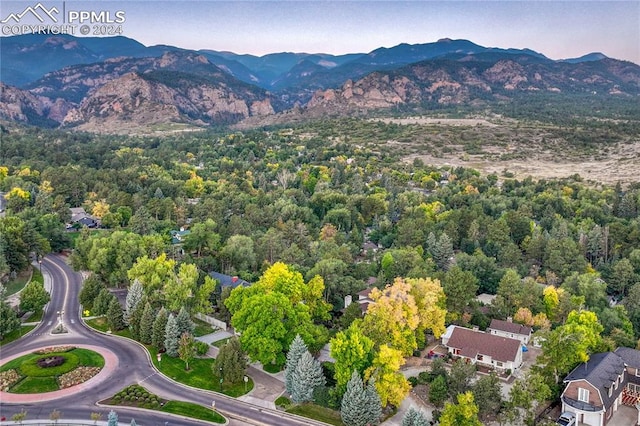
(49, 370)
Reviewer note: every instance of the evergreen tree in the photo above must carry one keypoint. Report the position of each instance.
(185, 325)
(442, 252)
(231, 361)
(90, 290)
(171, 336)
(133, 423)
(296, 350)
(308, 375)
(112, 419)
(135, 318)
(146, 324)
(374, 404)
(356, 404)
(159, 330)
(414, 417)
(134, 296)
(114, 315)
(438, 392)
(101, 303)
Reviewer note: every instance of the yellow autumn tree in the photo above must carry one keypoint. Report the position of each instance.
(551, 297)
(430, 301)
(393, 317)
(391, 385)
(100, 209)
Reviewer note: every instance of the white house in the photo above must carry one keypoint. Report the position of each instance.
(510, 329)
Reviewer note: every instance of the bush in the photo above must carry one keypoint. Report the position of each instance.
(283, 402)
(51, 361)
(414, 381)
(201, 348)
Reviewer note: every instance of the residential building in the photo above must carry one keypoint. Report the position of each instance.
(510, 329)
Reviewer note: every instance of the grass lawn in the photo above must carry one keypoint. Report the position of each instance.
(100, 324)
(188, 409)
(317, 412)
(220, 343)
(37, 276)
(36, 316)
(16, 334)
(14, 286)
(202, 328)
(199, 374)
(36, 385)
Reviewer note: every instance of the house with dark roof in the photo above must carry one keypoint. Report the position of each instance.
(80, 217)
(510, 329)
(228, 280)
(489, 350)
(597, 388)
(177, 236)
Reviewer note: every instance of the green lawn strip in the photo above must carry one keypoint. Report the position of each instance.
(100, 324)
(202, 328)
(16, 334)
(35, 317)
(17, 284)
(195, 411)
(36, 385)
(199, 375)
(220, 343)
(317, 412)
(37, 276)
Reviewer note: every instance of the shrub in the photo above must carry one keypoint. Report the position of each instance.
(201, 348)
(283, 402)
(50, 361)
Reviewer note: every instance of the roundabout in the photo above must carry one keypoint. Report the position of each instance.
(32, 365)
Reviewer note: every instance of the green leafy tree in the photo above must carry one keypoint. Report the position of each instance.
(296, 350)
(172, 336)
(352, 351)
(186, 349)
(390, 383)
(308, 375)
(527, 394)
(159, 329)
(464, 413)
(487, 395)
(202, 239)
(355, 409)
(19, 417)
(460, 287)
(114, 315)
(231, 361)
(33, 297)
(146, 324)
(9, 320)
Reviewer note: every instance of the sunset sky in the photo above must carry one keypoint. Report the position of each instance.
(556, 29)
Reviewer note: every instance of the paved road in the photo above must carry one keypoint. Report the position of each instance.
(133, 366)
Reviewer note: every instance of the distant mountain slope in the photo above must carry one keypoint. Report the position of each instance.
(470, 79)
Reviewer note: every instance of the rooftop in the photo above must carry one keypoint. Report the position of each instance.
(497, 347)
(509, 327)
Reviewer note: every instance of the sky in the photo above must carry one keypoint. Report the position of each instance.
(557, 29)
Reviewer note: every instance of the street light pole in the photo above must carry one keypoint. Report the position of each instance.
(220, 379)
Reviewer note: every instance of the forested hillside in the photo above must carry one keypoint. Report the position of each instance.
(331, 205)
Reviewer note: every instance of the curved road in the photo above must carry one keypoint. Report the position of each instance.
(133, 367)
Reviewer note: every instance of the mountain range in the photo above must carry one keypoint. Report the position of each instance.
(103, 83)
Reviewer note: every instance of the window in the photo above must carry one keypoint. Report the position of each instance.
(480, 357)
(499, 364)
(583, 395)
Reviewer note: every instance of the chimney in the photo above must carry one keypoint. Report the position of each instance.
(475, 328)
(234, 279)
(509, 319)
(347, 300)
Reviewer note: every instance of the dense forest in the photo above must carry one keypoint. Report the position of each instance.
(306, 202)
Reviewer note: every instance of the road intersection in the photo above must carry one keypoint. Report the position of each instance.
(130, 364)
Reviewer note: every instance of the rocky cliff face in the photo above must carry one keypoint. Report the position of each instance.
(22, 105)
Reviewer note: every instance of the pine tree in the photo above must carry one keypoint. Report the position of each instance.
(133, 423)
(414, 417)
(374, 404)
(232, 361)
(114, 315)
(171, 336)
(443, 252)
(159, 330)
(308, 375)
(112, 419)
(296, 350)
(356, 404)
(90, 290)
(185, 325)
(146, 324)
(134, 296)
(135, 318)
(101, 303)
